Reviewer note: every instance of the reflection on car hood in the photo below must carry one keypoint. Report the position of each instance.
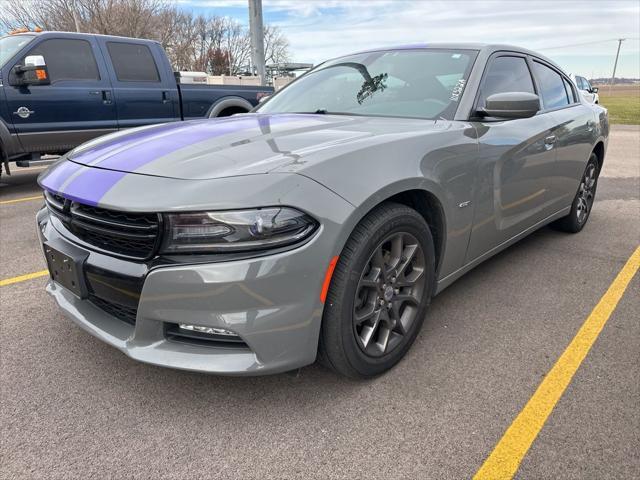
(240, 145)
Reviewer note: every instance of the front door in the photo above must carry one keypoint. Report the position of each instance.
(516, 162)
(76, 106)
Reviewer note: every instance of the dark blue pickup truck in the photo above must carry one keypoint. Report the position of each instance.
(59, 89)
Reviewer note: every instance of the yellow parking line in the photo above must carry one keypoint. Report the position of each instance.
(505, 459)
(22, 278)
(23, 199)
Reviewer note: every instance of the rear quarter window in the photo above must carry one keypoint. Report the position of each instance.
(570, 90)
(133, 62)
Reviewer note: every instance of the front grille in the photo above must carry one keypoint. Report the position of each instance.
(130, 235)
(121, 312)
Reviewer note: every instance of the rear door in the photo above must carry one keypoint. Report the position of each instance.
(75, 107)
(573, 129)
(145, 91)
(516, 161)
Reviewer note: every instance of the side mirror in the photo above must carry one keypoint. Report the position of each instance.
(594, 89)
(33, 72)
(511, 105)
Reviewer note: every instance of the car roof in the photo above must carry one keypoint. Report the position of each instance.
(487, 48)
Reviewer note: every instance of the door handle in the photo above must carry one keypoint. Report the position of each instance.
(549, 142)
(106, 97)
(165, 97)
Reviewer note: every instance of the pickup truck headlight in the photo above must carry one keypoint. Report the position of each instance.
(235, 230)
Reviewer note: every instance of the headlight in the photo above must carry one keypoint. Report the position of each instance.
(236, 230)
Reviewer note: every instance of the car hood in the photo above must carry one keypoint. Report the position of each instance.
(240, 145)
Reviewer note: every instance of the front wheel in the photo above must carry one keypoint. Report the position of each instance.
(379, 293)
(583, 201)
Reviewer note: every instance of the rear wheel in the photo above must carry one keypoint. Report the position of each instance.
(583, 201)
(379, 293)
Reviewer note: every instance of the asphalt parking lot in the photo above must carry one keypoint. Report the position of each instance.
(73, 407)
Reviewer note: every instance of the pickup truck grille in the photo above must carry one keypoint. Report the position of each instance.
(128, 235)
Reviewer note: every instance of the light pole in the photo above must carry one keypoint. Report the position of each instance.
(257, 38)
(74, 13)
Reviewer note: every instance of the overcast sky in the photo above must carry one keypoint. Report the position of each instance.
(321, 29)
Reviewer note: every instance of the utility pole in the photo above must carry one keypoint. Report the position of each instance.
(615, 65)
(257, 38)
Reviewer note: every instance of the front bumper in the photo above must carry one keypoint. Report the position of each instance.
(272, 303)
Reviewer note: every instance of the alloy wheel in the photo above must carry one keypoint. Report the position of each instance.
(388, 294)
(586, 193)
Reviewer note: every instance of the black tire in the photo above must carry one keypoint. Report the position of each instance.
(585, 196)
(341, 346)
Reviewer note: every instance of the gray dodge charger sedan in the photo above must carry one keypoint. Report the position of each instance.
(320, 225)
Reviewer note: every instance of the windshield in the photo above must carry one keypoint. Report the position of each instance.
(11, 44)
(397, 83)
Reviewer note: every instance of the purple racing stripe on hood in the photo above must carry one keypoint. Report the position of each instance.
(94, 183)
(54, 177)
(131, 152)
(108, 145)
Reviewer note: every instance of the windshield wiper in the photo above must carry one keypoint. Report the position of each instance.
(324, 111)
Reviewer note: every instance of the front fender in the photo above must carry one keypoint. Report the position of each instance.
(444, 164)
(9, 144)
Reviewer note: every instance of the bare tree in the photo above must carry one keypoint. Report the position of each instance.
(217, 45)
(276, 45)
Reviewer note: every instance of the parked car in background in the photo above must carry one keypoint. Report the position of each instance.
(589, 93)
(323, 223)
(61, 89)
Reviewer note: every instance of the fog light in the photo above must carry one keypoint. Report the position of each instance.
(209, 330)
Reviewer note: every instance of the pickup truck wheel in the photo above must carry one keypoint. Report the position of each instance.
(379, 293)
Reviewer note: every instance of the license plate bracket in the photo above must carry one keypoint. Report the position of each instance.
(65, 264)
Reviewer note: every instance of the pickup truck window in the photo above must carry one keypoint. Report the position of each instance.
(10, 45)
(68, 59)
(133, 62)
(551, 86)
(506, 74)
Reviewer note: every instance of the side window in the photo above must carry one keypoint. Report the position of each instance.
(587, 85)
(68, 59)
(551, 86)
(580, 83)
(133, 62)
(506, 74)
(570, 91)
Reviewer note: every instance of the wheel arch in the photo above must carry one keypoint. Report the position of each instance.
(598, 149)
(229, 103)
(424, 200)
(8, 143)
